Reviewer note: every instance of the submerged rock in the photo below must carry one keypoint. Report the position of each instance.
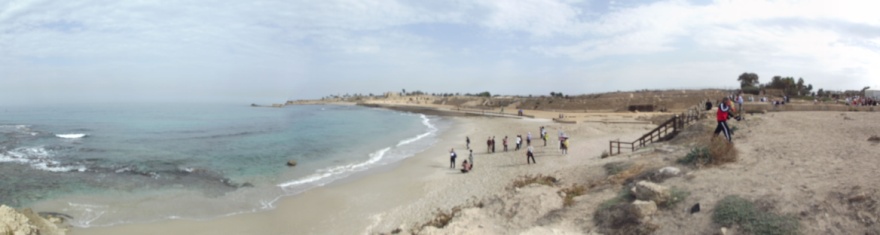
(291, 163)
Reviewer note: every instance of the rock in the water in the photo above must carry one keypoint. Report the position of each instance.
(291, 163)
(670, 171)
(643, 209)
(647, 191)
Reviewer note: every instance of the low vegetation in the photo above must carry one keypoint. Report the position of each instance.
(735, 210)
(677, 195)
(716, 152)
(613, 168)
(571, 192)
(534, 179)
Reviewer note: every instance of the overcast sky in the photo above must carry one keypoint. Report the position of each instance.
(261, 51)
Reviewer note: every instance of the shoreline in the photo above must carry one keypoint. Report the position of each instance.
(407, 193)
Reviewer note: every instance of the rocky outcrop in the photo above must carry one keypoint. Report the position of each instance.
(642, 209)
(12, 222)
(669, 171)
(647, 191)
(26, 222)
(291, 163)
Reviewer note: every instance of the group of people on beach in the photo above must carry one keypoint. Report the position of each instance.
(467, 165)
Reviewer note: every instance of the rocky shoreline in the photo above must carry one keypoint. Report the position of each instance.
(27, 222)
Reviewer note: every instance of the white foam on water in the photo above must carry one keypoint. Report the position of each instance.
(71, 136)
(85, 214)
(38, 158)
(332, 173)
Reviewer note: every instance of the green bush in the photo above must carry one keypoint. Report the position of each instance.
(612, 168)
(697, 156)
(736, 210)
(677, 196)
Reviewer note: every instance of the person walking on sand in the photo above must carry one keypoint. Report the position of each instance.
(452, 157)
(493, 144)
(504, 141)
(530, 155)
(471, 157)
(518, 142)
(468, 140)
(721, 116)
(529, 139)
(489, 145)
(544, 135)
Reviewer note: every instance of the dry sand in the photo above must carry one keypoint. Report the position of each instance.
(816, 166)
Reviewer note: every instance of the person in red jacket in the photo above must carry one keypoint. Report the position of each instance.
(722, 116)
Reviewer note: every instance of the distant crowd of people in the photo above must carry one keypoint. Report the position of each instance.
(468, 164)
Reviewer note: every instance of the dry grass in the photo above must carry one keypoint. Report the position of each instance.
(570, 193)
(534, 179)
(442, 218)
(715, 152)
(625, 175)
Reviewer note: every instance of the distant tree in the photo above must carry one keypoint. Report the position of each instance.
(484, 94)
(820, 93)
(552, 94)
(748, 80)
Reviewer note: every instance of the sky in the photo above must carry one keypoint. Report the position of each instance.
(264, 51)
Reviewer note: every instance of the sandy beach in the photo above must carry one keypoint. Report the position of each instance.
(411, 192)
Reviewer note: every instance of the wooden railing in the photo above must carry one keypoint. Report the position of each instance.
(664, 131)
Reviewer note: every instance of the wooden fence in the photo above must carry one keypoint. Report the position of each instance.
(664, 131)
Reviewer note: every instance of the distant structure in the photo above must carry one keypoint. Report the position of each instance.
(873, 94)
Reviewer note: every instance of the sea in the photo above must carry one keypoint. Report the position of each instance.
(108, 164)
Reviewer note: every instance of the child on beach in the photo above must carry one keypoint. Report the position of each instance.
(468, 140)
(452, 156)
(530, 156)
(465, 167)
(505, 143)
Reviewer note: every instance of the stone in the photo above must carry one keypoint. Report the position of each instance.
(291, 163)
(670, 171)
(12, 222)
(723, 231)
(643, 209)
(648, 191)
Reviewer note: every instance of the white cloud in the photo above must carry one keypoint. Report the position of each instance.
(440, 44)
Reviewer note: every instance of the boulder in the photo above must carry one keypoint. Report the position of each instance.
(669, 171)
(291, 163)
(647, 191)
(643, 209)
(12, 222)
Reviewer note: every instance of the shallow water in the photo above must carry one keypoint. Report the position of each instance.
(110, 164)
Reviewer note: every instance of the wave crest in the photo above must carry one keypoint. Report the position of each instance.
(71, 136)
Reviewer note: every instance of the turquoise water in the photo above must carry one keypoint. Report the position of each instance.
(110, 164)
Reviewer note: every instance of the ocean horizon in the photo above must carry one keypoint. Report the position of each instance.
(110, 164)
